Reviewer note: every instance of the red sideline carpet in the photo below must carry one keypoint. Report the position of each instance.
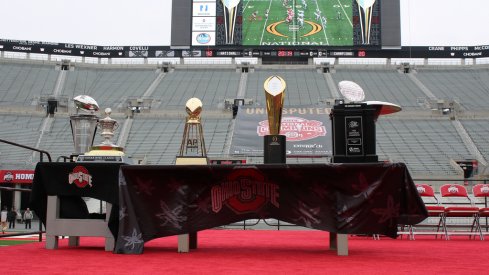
(256, 252)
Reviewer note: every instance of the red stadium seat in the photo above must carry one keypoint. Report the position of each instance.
(434, 208)
(482, 191)
(463, 209)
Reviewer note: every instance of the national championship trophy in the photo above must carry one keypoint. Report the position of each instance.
(274, 144)
(192, 152)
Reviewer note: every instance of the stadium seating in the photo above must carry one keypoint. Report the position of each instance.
(427, 143)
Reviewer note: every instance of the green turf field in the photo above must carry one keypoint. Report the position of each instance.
(333, 27)
(14, 242)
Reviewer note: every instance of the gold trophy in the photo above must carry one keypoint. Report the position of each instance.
(275, 94)
(230, 12)
(192, 152)
(274, 147)
(192, 148)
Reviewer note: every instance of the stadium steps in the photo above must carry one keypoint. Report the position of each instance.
(242, 85)
(332, 86)
(422, 87)
(469, 143)
(60, 81)
(124, 132)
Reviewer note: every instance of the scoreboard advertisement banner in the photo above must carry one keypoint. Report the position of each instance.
(67, 49)
(307, 129)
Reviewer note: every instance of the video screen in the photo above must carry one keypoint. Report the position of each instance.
(297, 22)
(286, 22)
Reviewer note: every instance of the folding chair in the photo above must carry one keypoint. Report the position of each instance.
(435, 210)
(482, 191)
(468, 210)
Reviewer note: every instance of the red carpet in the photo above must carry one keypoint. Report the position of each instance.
(256, 252)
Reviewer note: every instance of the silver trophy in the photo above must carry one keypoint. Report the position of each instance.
(84, 125)
(108, 126)
(107, 148)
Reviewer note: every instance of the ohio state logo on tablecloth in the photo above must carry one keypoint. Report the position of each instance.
(80, 177)
(245, 190)
(295, 128)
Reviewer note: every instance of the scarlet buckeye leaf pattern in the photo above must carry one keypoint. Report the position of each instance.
(389, 213)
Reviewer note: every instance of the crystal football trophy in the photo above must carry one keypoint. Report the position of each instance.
(274, 143)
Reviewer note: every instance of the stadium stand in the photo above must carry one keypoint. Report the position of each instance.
(468, 87)
(111, 87)
(20, 84)
(384, 85)
(423, 136)
(212, 86)
(304, 86)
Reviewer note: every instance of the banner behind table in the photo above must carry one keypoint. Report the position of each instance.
(158, 201)
(307, 129)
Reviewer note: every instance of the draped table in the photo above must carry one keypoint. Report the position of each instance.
(159, 201)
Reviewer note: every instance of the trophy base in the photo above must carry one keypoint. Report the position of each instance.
(191, 161)
(104, 153)
(274, 149)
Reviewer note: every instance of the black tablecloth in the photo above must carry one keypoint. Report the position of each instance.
(72, 181)
(157, 201)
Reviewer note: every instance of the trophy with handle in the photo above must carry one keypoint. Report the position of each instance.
(274, 150)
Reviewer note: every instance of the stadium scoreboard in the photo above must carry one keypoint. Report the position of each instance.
(274, 29)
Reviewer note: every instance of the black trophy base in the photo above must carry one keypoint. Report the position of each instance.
(274, 150)
(354, 159)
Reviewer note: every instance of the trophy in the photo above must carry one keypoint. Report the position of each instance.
(230, 12)
(107, 148)
(105, 151)
(192, 148)
(274, 147)
(192, 152)
(83, 125)
(354, 134)
(365, 12)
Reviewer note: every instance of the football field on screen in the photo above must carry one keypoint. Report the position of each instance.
(297, 22)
